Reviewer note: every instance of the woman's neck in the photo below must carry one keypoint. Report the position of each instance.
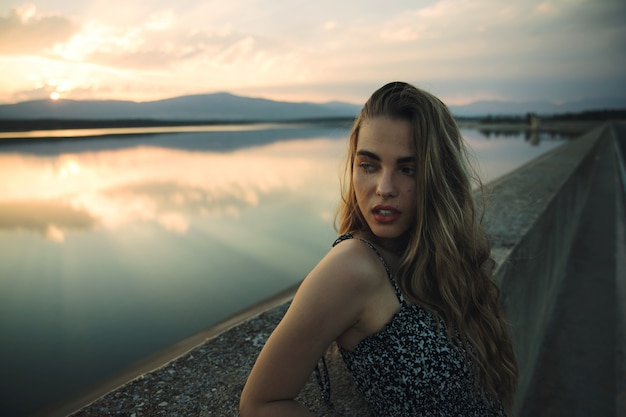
(395, 247)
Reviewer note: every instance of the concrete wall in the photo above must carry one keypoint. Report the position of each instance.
(531, 217)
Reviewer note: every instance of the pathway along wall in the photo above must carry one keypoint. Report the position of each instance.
(531, 217)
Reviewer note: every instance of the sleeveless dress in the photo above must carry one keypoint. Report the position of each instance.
(410, 367)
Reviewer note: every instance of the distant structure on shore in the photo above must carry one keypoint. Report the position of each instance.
(534, 121)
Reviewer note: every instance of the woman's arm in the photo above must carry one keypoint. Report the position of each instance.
(329, 302)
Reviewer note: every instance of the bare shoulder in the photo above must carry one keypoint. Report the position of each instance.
(351, 266)
(330, 305)
(330, 302)
(336, 293)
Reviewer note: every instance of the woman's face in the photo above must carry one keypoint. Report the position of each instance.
(384, 176)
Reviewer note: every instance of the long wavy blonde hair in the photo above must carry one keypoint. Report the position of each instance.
(446, 266)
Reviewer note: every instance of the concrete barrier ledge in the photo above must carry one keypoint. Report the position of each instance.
(531, 217)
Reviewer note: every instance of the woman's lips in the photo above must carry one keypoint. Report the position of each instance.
(385, 214)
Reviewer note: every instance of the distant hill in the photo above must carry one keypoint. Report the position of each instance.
(545, 108)
(230, 108)
(201, 107)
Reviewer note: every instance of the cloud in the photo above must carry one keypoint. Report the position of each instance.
(158, 50)
(329, 25)
(162, 42)
(156, 42)
(545, 8)
(25, 31)
(160, 21)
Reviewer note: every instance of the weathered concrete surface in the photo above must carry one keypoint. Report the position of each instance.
(533, 217)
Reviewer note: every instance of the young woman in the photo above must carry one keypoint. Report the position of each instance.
(406, 292)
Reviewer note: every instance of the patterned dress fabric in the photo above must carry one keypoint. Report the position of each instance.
(410, 368)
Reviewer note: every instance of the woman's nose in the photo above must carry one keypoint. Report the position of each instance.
(386, 187)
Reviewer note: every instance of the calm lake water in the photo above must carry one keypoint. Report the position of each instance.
(116, 247)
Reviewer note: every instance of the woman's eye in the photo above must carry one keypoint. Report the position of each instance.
(409, 171)
(366, 166)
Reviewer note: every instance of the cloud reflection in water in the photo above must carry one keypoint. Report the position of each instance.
(169, 187)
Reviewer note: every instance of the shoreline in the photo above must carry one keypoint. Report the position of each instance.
(16, 126)
(59, 135)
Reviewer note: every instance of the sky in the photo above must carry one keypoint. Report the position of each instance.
(323, 50)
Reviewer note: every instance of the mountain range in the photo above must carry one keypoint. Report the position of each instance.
(229, 107)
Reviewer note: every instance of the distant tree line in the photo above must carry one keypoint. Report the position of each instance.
(497, 119)
(599, 115)
(506, 119)
(589, 115)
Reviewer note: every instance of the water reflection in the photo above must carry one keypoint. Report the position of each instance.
(532, 136)
(114, 248)
(146, 244)
(498, 152)
(169, 187)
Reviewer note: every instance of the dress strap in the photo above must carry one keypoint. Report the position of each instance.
(341, 238)
(347, 236)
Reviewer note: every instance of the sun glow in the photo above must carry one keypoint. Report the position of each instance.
(54, 95)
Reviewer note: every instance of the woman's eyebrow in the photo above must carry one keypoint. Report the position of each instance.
(368, 154)
(372, 155)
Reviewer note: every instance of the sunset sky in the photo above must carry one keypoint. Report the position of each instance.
(461, 50)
